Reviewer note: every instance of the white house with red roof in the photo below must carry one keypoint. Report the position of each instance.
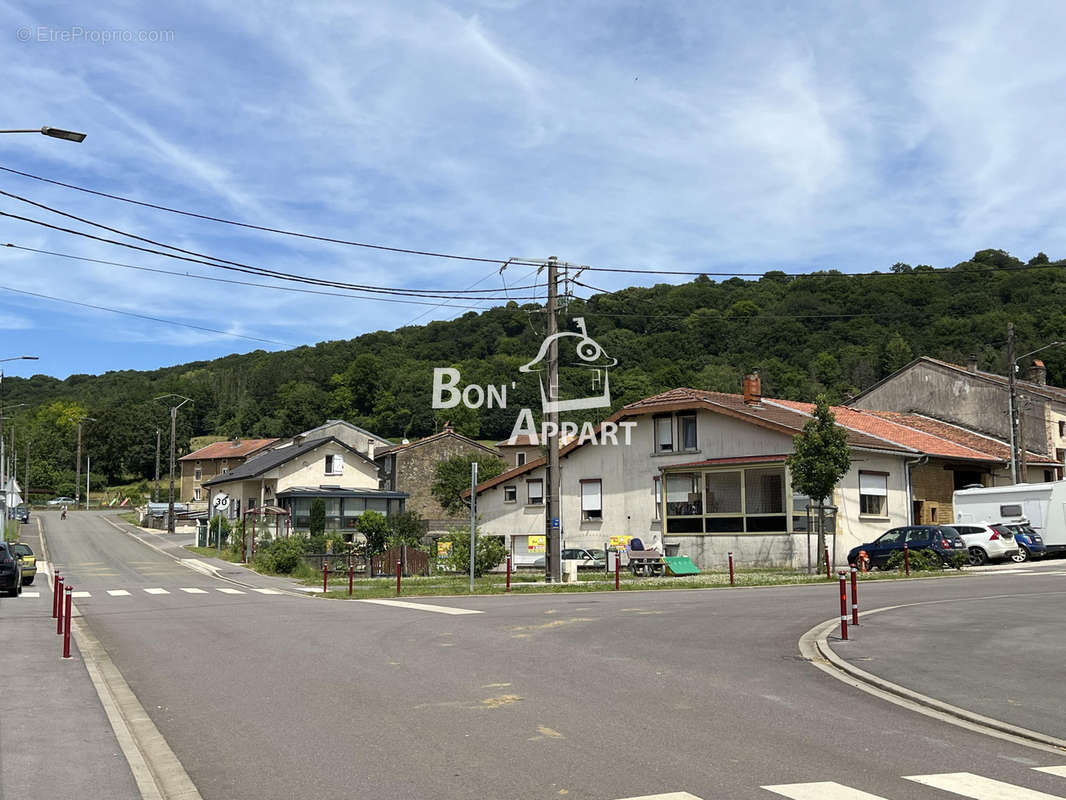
(706, 471)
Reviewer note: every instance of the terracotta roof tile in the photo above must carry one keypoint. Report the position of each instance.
(228, 449)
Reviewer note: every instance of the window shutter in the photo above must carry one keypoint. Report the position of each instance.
(338, 464)
(664, 428)
(590, 496)
(870, 483)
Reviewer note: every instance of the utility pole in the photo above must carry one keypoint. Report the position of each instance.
(552, 505)
(155, 489)
(173, 435)
(26, 483)
(1012, 405)
(77, 470)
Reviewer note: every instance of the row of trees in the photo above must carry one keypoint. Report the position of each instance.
(823, 333)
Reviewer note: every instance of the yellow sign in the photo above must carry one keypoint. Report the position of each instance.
(444, 549)
(536, 544)
(620, 541)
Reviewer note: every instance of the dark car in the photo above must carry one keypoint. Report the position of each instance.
(1030, 543)
(942, 539)
(21, 513)
(10, 571)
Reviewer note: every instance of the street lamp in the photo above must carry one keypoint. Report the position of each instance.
(55, 133)
(173, 433)
(1012, 402)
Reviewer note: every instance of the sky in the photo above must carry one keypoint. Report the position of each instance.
(696, 136)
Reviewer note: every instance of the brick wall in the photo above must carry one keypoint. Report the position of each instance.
(934, 485)
(416, 470)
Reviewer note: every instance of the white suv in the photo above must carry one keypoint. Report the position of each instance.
(984, 543)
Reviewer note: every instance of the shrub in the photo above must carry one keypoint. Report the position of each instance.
(490, 552)
(926, 560)
(317, 521)
(281, 556)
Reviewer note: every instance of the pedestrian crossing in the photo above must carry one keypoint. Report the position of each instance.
(960, 784)
(159, 590)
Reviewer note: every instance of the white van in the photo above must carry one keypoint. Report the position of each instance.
(1042, 504)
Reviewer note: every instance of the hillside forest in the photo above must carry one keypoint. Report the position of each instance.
(824, 332)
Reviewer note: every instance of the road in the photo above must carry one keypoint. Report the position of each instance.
(599, 696)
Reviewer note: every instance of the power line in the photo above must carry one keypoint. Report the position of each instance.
(158, 271)
(143, 316)
(251, 226)
(260, 271)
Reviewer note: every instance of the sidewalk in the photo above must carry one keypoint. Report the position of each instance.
(55, 740)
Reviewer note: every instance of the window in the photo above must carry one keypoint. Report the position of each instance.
(743, 500)
(510, 494)
(335, 465)
(534, 491)
(196, 492)
(664, 434)
(519, 459)
(225, 470)
(873, 493)
(1062, 428)
(196, 476)
(657, 490)
(686, 428)
(591, 500)
(1010, 511)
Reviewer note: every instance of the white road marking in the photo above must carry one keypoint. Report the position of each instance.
(979, 788)
(436, 609)
(157, 590)
(265, 591)
(80, 594)
(667, 796)
(228, 591)
(1060, 771)
(118, 593)
(30, 594)
(193, 590)
(823, 790)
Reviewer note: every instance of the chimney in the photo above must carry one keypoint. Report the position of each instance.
(752, 388)
(448, 425)
(1038, 372)
(971, 364)
(370, 450)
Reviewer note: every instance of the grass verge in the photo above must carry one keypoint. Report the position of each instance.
(211, 552)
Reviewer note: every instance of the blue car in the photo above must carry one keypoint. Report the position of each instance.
(942, 539)
(1030, 543)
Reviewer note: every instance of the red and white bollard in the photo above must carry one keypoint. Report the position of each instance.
(843, 606)
(854, 596)
(508, 574)
(59, 606)
(731, 569)
(828, 571)
(617, 569)
(351, 579)
(66, 629)
(325, 576)
(56, 580)
(399, 576)
(906, 559)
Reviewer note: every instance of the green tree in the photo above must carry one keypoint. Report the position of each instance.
(453, 477)
(897, 354)
(489, 552)
(820, 458)
(406, 528)
(317, 522)
(375, 529)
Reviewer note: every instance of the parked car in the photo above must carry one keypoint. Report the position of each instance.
(62, 501)
(21, 513)
(1030, 543)
(586, 559)
(986, 542)
(10, 571)
(29, 561)
(941, 538)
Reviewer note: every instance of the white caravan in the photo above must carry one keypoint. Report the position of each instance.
(1043, 505)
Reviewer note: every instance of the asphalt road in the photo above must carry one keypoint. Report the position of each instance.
(598, 696)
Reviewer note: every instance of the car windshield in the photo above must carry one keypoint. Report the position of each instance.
(21, 550)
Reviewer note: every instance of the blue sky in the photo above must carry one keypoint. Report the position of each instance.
(694, 136)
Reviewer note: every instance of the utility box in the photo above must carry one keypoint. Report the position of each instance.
(570, 571)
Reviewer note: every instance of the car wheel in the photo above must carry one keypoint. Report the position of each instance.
(1022, 555)
(977, 557)
(28, 581)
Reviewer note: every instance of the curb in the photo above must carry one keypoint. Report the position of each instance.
(814, 647)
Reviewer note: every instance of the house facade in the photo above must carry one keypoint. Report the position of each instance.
(289, 478)
(979, 401)
(410, 467)
(707, 472)
(359, 439)
(219, 458)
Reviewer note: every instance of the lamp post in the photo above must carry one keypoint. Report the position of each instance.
(1012, 402)
(3, 472)
(55, 133)
(77, 467)
(173, 433)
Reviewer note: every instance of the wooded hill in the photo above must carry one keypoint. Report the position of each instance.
(822, 332)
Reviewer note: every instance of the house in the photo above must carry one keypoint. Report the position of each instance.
(410, 467)
(359, 439)
(706, 471)
(216, 459)
(289, 478)
(979, 401)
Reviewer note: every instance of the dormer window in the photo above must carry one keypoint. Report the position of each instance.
(334, 465)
